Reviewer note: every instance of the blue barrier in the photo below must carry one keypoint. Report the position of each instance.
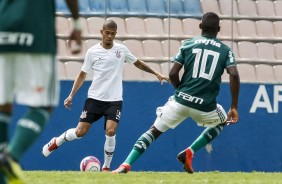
(253, 144)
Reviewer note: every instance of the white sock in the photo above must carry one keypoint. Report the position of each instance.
(68, 135)
(109, 149)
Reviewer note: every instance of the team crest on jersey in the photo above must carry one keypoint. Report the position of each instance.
(118, 55)
(83, 115)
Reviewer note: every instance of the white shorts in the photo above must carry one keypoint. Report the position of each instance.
(173, 113)
(29, 79)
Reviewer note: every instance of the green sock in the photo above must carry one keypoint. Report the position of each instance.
(206, 137)
(140, 147)
(4, 121)
(27, 131)
(2, 179)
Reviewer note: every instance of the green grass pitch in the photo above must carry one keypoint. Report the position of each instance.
(73, 177)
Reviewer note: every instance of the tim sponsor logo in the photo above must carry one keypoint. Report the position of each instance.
(190, 98)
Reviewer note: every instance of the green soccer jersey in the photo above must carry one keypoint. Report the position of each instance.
(204, 60)
(27, 26)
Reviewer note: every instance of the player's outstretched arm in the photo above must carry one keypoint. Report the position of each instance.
(143, 66)
(234, 78)
(76, 85)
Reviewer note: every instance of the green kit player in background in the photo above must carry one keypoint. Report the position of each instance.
(204, 59)
(28, 75)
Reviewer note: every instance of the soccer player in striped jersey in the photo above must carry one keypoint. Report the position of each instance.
(204, 59)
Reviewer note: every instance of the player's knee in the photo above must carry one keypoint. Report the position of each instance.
(80, 132)
(110, 132)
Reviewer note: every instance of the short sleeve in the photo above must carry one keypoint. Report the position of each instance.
(230, 61)
(178, 57)
(129, 57)
(86, 67)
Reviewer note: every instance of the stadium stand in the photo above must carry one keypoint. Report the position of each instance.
(62, 27)
(247, 29)
(278, 72)
(247, 50)
(265, 8)
(234, 47)
(264, 73)
(156, 8)
(174, 7)
(210, 6)
(62, 75)
(84, 25)
(228, 8)
(153, 51)
(229, 29)
(154, 27)
(137, 7)
(266, 51)
(170, 47)
(94, 26)
(247, 8)
(278, 8)
(247, 73)
(173, 27)
(84, 7)
(135, 27)
(278, 49)
(192, 8)
(98, 7)
(72, 69)
(90, 42)
(117, 7)
(191, 27)
(61, 8)
(135, 46)
(149, 77)
(265, 29)
(121, 32)
(131, 73)
(278, 29)
(153, 32)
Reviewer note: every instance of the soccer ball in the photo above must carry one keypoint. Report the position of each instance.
(90, 163)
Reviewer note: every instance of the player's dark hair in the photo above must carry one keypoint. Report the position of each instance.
(210, 23)
(110, 24)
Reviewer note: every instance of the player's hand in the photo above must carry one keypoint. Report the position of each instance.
(161, 78)
(68, 102)
(75, 41)
(232, 116)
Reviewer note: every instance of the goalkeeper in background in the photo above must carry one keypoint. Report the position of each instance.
(204, 60)
(27, 75)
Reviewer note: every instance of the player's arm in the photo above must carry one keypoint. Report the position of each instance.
(143, 66)
(174, 74)
(234, 79)
(76, 32)
(80, 78)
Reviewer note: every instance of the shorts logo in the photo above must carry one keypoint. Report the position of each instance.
(118, 115)
(83, 115)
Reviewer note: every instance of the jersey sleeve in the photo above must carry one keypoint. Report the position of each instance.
(178, 58)
(129, 57)
(86, 67)
(230, 60)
